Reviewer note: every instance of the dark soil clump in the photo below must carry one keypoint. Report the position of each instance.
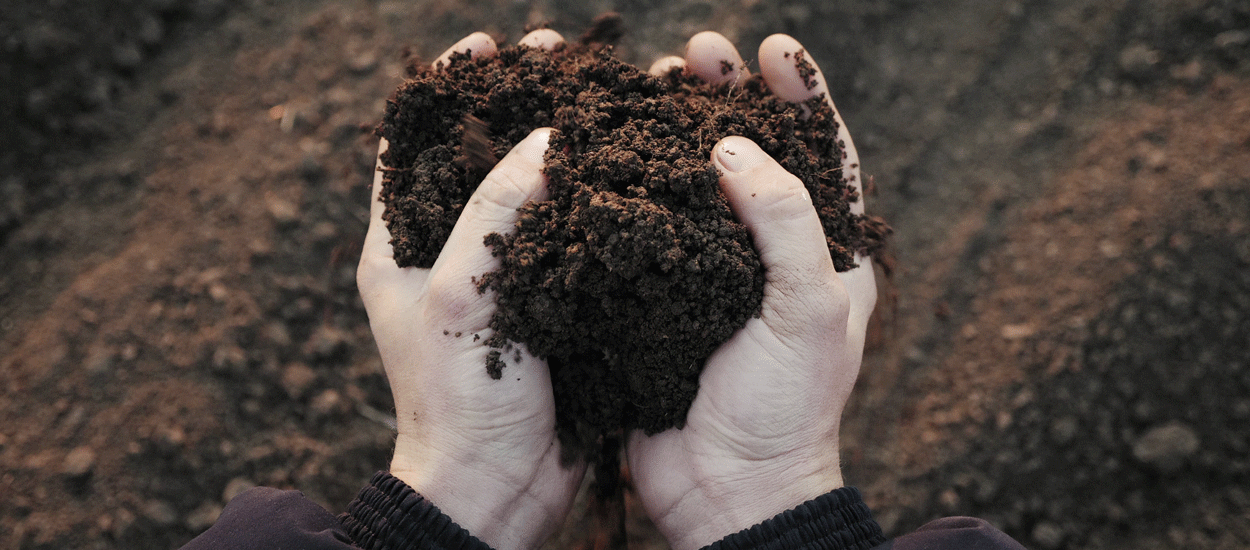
(634, 270)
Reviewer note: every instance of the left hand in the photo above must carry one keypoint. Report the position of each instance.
(484, 451)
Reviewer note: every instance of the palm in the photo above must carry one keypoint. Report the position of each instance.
(761, 436)
(483, 450)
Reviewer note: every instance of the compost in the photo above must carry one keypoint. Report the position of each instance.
(633, 270)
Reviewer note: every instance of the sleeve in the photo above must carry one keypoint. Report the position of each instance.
(955, 533)
(838, 520)
(272, 519)
(389, 514)
(386, 514)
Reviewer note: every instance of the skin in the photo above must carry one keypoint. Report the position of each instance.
(761, 437)
(762, 434)
(484, 451)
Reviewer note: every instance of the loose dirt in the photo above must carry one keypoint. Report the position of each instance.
(1062, 349)
(634, 269)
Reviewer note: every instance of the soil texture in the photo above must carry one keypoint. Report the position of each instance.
(184, 187)
(634, 269)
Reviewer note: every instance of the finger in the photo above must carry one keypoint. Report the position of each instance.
(377, 276)
(377, 266)
(777, 210)
(861, 287)
(715, 59)
(663, 65)
(545, 39)
(476, 45)
(774, 205)
(377, 235)
(794, 76)
(493, 208)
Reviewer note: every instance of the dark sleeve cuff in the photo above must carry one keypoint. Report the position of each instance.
(956, 533)
(838, 520)
(389, 514)
(270, 518)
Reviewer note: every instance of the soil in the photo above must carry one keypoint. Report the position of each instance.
(634, 269)
(1061, 349)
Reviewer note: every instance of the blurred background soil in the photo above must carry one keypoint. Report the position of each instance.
(1062, 350)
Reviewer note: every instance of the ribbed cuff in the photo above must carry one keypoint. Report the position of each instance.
(838, 520)
(388, 514)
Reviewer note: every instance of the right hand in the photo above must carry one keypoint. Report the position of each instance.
(762, 435)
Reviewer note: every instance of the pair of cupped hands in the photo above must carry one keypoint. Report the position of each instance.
(760, 438)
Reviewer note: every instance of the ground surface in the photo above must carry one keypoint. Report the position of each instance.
(1062, 349)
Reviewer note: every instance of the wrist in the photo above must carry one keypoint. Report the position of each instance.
(710, 513)
(837, 520)
(482, 503)
(388, 513)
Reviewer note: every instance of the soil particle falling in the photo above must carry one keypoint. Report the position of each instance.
(634, 269)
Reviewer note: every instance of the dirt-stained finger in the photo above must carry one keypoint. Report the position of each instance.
(476, 45)
(793, 75)
(379, 279)
(790, 71)
(493, 208)
(378, 235)
(715, 59)
(802, 292)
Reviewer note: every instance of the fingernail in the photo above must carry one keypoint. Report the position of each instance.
(739, 154)
(535, 145)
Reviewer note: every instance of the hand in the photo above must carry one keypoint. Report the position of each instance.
(762, 435)
(484, 451)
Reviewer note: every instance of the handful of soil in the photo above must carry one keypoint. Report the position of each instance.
(634, 270)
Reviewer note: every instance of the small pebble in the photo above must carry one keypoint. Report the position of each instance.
(203, 517)
(79, 462)
(236, 487)
(297, 378)
(1048, 535)
(1166, 447)
(160, 512)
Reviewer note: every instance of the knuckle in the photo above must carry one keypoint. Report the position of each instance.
(369, 272)
(507, 188)
(832, 308)
(787, 199)
(364, 278)
(450, 298)
(811, 305)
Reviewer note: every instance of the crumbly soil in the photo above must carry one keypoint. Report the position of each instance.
(634, 269)
(1062, 349)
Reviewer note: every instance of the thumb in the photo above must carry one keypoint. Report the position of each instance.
(493, 208)
(775, 207)
(777, 210)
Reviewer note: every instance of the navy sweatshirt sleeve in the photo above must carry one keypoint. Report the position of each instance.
(388, 514)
